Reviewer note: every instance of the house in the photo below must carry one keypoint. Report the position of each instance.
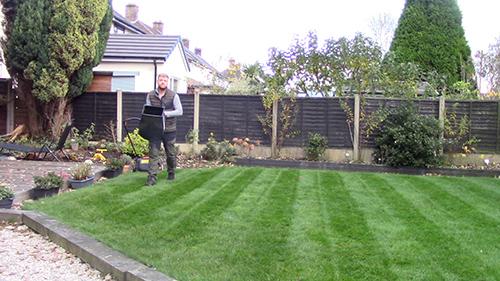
(131, 62)
(136, 52)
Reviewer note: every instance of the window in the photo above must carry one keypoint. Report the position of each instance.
(173, 84)
(124, 81)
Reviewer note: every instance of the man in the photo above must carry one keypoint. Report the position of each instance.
(171, 103)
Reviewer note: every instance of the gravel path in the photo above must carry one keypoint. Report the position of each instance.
(26, 255)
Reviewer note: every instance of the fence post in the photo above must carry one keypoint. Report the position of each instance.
(119, 115)
(274, 138)
(498, 127)
(355, 143)
(442, 116)
(196, 121)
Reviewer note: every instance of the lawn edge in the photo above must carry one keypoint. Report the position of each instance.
(364, 168)
(93, 252)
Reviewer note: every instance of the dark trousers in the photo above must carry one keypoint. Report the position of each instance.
(168, 140)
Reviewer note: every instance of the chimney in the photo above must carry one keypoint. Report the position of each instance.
(197, 51)
(131, 12)
(158, 27)
(185, 42)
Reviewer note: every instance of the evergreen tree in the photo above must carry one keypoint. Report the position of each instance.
(50, 49)
(430, 34)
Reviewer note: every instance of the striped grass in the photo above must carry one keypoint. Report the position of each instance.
(290, 224)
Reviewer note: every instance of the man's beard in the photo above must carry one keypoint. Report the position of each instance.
(162, 89)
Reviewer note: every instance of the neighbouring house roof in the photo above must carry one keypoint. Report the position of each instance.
(121, 21)
(192, 57)
(141, 47)
(134, 27)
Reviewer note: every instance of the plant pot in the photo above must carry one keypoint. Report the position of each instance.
(142, 164)
(112, 173)
(75, 184)
(38, 193)
(6, 203)
(127, 168)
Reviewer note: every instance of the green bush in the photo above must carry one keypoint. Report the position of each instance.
(5, 193)
(141, 145)
(49, 181)
(409, 139)
(316, 147)
(218, 151)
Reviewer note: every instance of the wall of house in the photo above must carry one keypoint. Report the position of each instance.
(175, 67)
(100, 83)
(144, 80)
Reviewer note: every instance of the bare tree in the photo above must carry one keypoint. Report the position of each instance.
(488, 66)
(382, 28)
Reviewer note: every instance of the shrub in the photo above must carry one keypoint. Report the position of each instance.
(81, 171)
(114, 163)
(5, 193)
(49, 181)
(218, 151)
(141, 145)
(409, 139)
(316, 147)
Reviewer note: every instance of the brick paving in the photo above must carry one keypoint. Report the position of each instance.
(18, 174)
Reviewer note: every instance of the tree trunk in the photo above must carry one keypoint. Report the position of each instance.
(57, 115)
(33, 121)
(43, 118)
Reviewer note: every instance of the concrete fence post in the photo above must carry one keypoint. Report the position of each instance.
(355, 143)
(442, 116)
(119, 115)
(196, 122)
(274, 138)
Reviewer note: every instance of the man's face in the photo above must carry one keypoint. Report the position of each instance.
(162, 82)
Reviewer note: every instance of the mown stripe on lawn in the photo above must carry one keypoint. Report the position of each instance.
(220, 255)
(486, 201)
(185, 231)
(267, 242)
(309, 242)
(458, 219)
(441, 248)
(159, 196)
(407, 257)
(357, 254)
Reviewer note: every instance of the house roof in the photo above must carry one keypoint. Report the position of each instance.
(141, 46)
(192, 57)
(122, 21)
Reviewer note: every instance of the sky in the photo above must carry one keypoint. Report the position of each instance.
(245, 30)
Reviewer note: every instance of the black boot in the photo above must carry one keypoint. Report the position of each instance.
(151, 180)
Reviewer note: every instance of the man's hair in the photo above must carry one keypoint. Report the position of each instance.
(163, 75)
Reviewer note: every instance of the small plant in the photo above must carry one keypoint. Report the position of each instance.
(245, 145)
(218, 151)
(81, 171)
(83, 138)
(316, 147)
(140, 145)
(49, 181)
(6, 193)
(114, 163)
(127, 160)
(192, 136)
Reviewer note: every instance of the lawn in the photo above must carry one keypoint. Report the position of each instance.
(290, 224)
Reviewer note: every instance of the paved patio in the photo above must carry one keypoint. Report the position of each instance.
(18, 174)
